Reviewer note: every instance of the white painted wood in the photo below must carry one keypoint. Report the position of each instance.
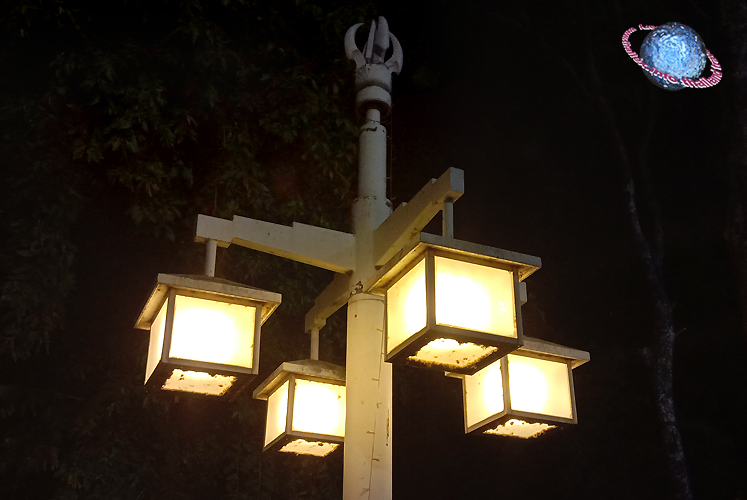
(368, 450)
(211, 250)
(213, 228)
(448, 218)
(325, 248)
(316, 246)
(408, 220)
(533, 345)
(314, 351)
(328, 302)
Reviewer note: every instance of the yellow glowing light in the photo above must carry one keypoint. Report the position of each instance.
(282, 404)
(484, 393)
(155, 348)
(415, 310)
(277, 413)
(444, 344)
(492, 387)
(214, 332)
(203, 334)
(406, 306)
(528, 386)
(539, 386)
(319, 408)
(474, 297)
(461, 302)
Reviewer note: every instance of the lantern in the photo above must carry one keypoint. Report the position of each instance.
(305, 407)
(453, 305)
(204, 333)
(524, 393)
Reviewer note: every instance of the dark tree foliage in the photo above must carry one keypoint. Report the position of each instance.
(232, 108)
(120, 122)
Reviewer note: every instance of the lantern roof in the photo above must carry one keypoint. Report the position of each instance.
(527, 264)
(308, 368)
(210, 286)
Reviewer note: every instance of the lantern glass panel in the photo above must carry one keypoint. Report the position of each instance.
(155, 348)
(484, 393)
(406, 306)
(539, 386)
(277, 413)
(214, 332)
(319, 408)
(474, 297)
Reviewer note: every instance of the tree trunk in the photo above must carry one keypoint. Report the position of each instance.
(651, 250)
(734, 19)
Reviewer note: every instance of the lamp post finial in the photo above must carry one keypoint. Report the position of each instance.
(373, 74)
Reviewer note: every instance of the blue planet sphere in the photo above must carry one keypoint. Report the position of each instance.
(675, 49)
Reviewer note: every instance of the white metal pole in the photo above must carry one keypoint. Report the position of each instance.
(368, 425)
(368, 451)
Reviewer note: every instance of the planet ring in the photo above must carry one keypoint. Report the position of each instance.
(716, 71)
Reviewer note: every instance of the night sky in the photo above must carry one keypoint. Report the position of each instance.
(543, 177)
(511, 95)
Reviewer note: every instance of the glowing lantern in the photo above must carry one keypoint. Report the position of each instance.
(204, 333)
(453, 305)
(536, 395)
(305, 407)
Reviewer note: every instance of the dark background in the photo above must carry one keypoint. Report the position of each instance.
(512, 94)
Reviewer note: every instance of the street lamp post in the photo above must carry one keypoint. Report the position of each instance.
(356, 258)
(375, 264)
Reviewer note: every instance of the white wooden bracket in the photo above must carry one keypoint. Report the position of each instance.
(408, 220)
(335, 250)
(316, 246)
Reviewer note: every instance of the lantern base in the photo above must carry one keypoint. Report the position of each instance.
(520, 429)
(518, 424)
(452, 349)
(302, 443)
(198, 382)
(314, 448)
(205, 380)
